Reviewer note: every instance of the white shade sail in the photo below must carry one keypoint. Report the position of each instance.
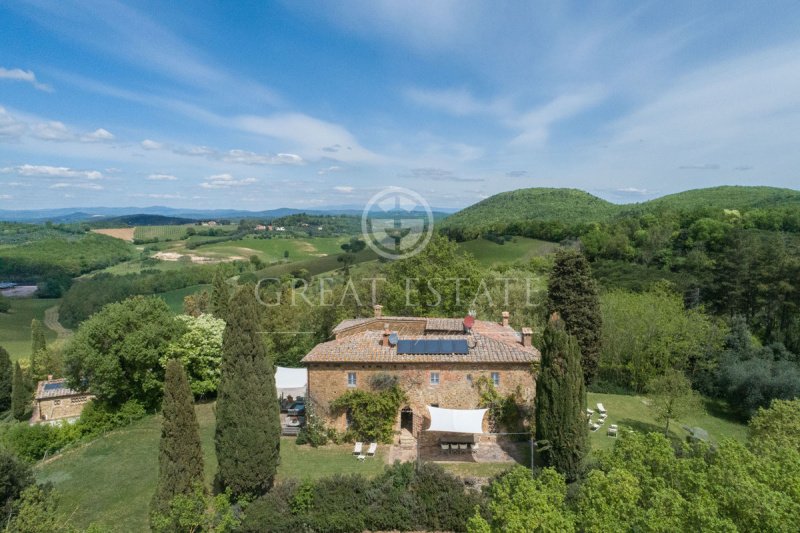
(456, 420)
(291, 381)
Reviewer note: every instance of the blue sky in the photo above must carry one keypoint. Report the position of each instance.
(258, 105)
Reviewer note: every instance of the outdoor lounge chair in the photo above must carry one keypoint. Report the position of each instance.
(594, 427)
(601, 409)
(589, 412)
(612, 430)
(357, 448)
(373, 447)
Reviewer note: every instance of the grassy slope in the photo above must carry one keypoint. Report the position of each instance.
(110, 480)
(174, 298)
(489, 253)
(15, 326)
(270, 250)
(631, 412)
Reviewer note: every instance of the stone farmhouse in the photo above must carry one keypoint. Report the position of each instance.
(439, 373)
(56, 402)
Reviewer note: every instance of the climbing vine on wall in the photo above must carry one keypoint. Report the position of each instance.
(372, 413)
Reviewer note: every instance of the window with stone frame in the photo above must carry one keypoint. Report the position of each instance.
(434, 378)
(496, 378)
(351, 379)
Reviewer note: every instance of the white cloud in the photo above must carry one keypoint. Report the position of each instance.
(314, 135)
(47, 171)
(88, 186)
(162, 177)
(10, 127)
(344, 189)
(536, 123)
(329, 170)
(160, 196)
(98, 135)
(5, 197)
(16, 74)
(245, 157)
(148, 144)
(459, 102)
(225, 181)
(51, 131)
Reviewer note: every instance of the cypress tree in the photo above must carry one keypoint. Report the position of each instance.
(220, 296)
(572, 293)
(180, 455)
(20, 395)
(248, 417)
(6, 380)
(38, 349)
(560, 401)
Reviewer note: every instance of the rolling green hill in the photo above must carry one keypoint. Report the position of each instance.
(570, 207)
(727, 197)
(533, 204)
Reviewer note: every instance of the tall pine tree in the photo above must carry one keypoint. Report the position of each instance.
(248, 417)
(38, 349)
(6, 380)
(220, 295)
(180, 456)
(20, 395)
(560, 401)
(572, 293)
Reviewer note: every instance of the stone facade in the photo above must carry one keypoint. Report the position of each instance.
(455, 388)
(55, 402)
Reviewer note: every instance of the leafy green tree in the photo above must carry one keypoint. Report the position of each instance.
(6, 380)
(519, 503)
(37, 512)
(646, 333)
(440, 280)
(561, 402)
(220, 295)
(20, 395)
(572, 293)
(15, 476)
(776, 427)
(180, 457)
(197, 304)
(115, 354)
(199, 348)
(608, 501)
(248, 429)
(197, 511)
(671, 397)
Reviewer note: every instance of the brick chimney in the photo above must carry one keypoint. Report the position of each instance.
(506, 314)
(527, 334)
(378, 309)
(49, 377)
(386, 333)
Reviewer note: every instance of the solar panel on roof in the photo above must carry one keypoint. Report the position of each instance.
(53, 386)
(432, 346)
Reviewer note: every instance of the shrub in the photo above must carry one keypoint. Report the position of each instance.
(98, 417)
(372, 413)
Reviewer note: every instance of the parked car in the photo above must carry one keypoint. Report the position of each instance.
(297, 409)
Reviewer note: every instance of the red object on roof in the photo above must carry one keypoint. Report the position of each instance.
(469, 321)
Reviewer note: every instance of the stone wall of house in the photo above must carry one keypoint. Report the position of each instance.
(455, 390)
(58, 408)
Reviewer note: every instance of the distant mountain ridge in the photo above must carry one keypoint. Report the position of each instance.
(81, 214)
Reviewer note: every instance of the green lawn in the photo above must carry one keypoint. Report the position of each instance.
(15, 326)
(110, 480)
(174, 298)
(631, 412)
(271, 250)
(489, 253)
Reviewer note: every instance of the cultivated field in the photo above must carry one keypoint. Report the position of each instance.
(271, 250)
(15, 326)
(162, 233)
(126, 234)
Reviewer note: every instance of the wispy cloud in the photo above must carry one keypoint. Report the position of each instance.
(47, 171)
(87, 186)
(149, 144)
(16, 74)
(438, 174)
(225, 181)
(536, 123)
(10, 127)
(99, 135)
(162, 177)
(5, 197)
(347, 189)
(458, 102)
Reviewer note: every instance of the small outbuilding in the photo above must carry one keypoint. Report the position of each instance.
(55, 401)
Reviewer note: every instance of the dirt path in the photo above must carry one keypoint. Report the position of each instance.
(51, 321)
